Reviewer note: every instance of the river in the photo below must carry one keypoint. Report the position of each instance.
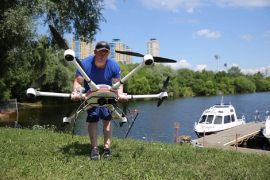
(155, 123)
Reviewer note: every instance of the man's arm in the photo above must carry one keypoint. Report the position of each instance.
(77, 83)
(121, 89)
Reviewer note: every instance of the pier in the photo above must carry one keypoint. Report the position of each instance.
(233, 136)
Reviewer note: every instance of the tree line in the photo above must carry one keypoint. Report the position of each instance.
(186, 82)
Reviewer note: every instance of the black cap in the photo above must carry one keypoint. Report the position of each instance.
(101, 45)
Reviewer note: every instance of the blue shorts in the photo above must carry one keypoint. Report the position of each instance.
(95, 114)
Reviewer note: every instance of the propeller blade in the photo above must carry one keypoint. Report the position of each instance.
(160, 101)
(63, 124)
(135, 110)
(164, 87)
(130, 53)
(165, 84)
(69, 112)
(156, 58)
(39, 82)
(124, 114)
(60, 41)
(163, 60)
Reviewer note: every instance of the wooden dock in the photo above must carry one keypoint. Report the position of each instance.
(227, 138)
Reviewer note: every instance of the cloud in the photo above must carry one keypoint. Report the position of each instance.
(190, 10)
(251, 71)
(180, 20)
(177, 5)
(200, 67)
(254, 71)
(267, 33)
(181, 64)
(207, 34)
(242, 3)
(110, 4)
(184, 20)
(173, 5)
(246, 37)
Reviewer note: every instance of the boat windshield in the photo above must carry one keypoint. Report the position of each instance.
(218, 120)
(210, 119)
(203, 119)
(233, 119)
(207, 119)
(227, 119)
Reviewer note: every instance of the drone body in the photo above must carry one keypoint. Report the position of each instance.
(101, 95)
(108, 96)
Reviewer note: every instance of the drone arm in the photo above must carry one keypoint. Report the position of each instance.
(121, 119)
(31, 92)
(91, 84)
(160, 96)
(70, 56)
(67, 120)
(119, 83)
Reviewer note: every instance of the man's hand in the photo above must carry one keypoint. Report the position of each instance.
(75, 96)
(123, 96)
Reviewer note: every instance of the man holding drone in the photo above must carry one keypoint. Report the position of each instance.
(101, 70)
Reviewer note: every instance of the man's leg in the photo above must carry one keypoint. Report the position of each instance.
(107, 131)
(93, 133)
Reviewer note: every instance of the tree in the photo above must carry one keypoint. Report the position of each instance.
(20, 50)
(162, 72)
(219, 75)
(226, 85)
(235, 71)
(188, 76)
(243, 85)
(199, 87)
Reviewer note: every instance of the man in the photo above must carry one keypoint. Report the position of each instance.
(101, 70)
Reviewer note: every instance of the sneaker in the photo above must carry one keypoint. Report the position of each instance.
(94, 154)
(107, 153)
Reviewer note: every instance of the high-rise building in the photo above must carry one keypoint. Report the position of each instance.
(116, 44)
(81, 48)
(153, 47)
(128, 58)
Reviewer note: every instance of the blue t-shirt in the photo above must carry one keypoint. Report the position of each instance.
(103, 76)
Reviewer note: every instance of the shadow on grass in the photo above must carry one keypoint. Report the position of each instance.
(79, 149)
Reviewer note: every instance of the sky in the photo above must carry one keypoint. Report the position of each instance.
(192, 32)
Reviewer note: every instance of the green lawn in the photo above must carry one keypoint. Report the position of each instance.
(45, 154)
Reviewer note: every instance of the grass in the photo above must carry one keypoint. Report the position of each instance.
(42, 153)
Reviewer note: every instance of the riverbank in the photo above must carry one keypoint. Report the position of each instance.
(44, 154)
(23, 106)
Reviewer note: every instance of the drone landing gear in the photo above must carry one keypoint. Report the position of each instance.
(133, 121)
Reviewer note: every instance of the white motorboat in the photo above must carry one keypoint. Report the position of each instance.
(217, 118)
(266, 129)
